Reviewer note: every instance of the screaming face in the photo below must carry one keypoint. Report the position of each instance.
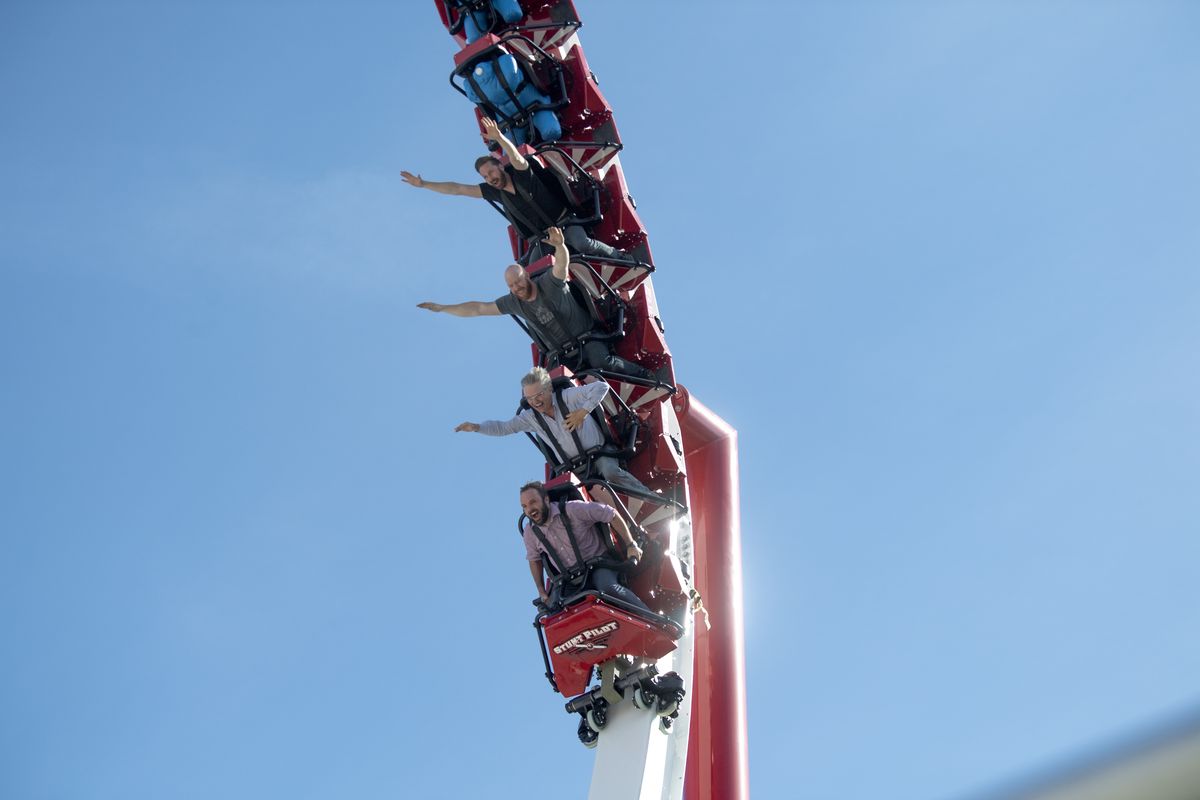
(495, 176)
(534, 506)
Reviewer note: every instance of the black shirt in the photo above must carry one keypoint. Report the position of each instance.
(534, 207)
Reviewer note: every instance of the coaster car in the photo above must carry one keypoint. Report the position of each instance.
(588, 631)
(548, 22)
(467, 20)
(520, 88)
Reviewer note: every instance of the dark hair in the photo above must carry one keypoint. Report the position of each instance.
(538, 487)
(479, 162)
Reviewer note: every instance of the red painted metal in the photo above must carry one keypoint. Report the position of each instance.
(588, 114)
(621, 225)
(474, 49)
(658, 463)
(718, 763)
(644, 339)
(592, 631)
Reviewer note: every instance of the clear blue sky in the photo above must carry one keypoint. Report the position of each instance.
(936, 261)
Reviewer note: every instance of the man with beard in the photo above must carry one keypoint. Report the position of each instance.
(528, 203)
(547, 305)
(567, 535)
(571, 435)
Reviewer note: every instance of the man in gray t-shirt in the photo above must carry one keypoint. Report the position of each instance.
(551, 310)
(546, 304)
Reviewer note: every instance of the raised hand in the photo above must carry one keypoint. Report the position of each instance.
(554, 237)
(431, 306)
(411, 179)
(491, 130)
(469, 427)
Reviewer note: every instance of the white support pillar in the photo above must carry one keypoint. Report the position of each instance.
(634, 758)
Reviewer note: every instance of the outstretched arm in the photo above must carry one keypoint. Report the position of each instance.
(441, 187)
(471, 308)
(562, 256)
(492, 131)
(494, 427)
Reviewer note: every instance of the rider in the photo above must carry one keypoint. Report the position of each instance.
(546, 303)
(529, 205)
(572, 434)
(566, 534)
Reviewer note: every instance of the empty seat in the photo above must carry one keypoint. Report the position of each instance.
(521, 92)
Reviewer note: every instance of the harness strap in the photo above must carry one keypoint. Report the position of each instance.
(526, 222)
(551, 553)
(562, 512)
(511, 92)
(562, 409)
(527, 196)
(550, 437)
(484, 100)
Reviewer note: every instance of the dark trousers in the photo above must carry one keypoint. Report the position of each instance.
(605, 580)
(578, 242)
(597, 356)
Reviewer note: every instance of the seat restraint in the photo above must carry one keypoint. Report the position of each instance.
(567, 461)
(554, 555)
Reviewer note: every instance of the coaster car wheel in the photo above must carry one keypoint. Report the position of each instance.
(587, 737)
(597, 716)
(643, 699)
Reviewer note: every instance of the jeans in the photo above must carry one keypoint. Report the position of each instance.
(596, 355)
(578, 243)
(604, 580)
(611, 471)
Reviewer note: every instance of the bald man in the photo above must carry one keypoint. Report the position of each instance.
(546, 304)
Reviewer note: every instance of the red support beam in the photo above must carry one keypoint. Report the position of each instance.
(718, 761)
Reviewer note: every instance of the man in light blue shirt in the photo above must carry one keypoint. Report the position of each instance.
(543, 419)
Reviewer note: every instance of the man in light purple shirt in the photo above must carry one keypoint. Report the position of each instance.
(538, 391)
(566, 555)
